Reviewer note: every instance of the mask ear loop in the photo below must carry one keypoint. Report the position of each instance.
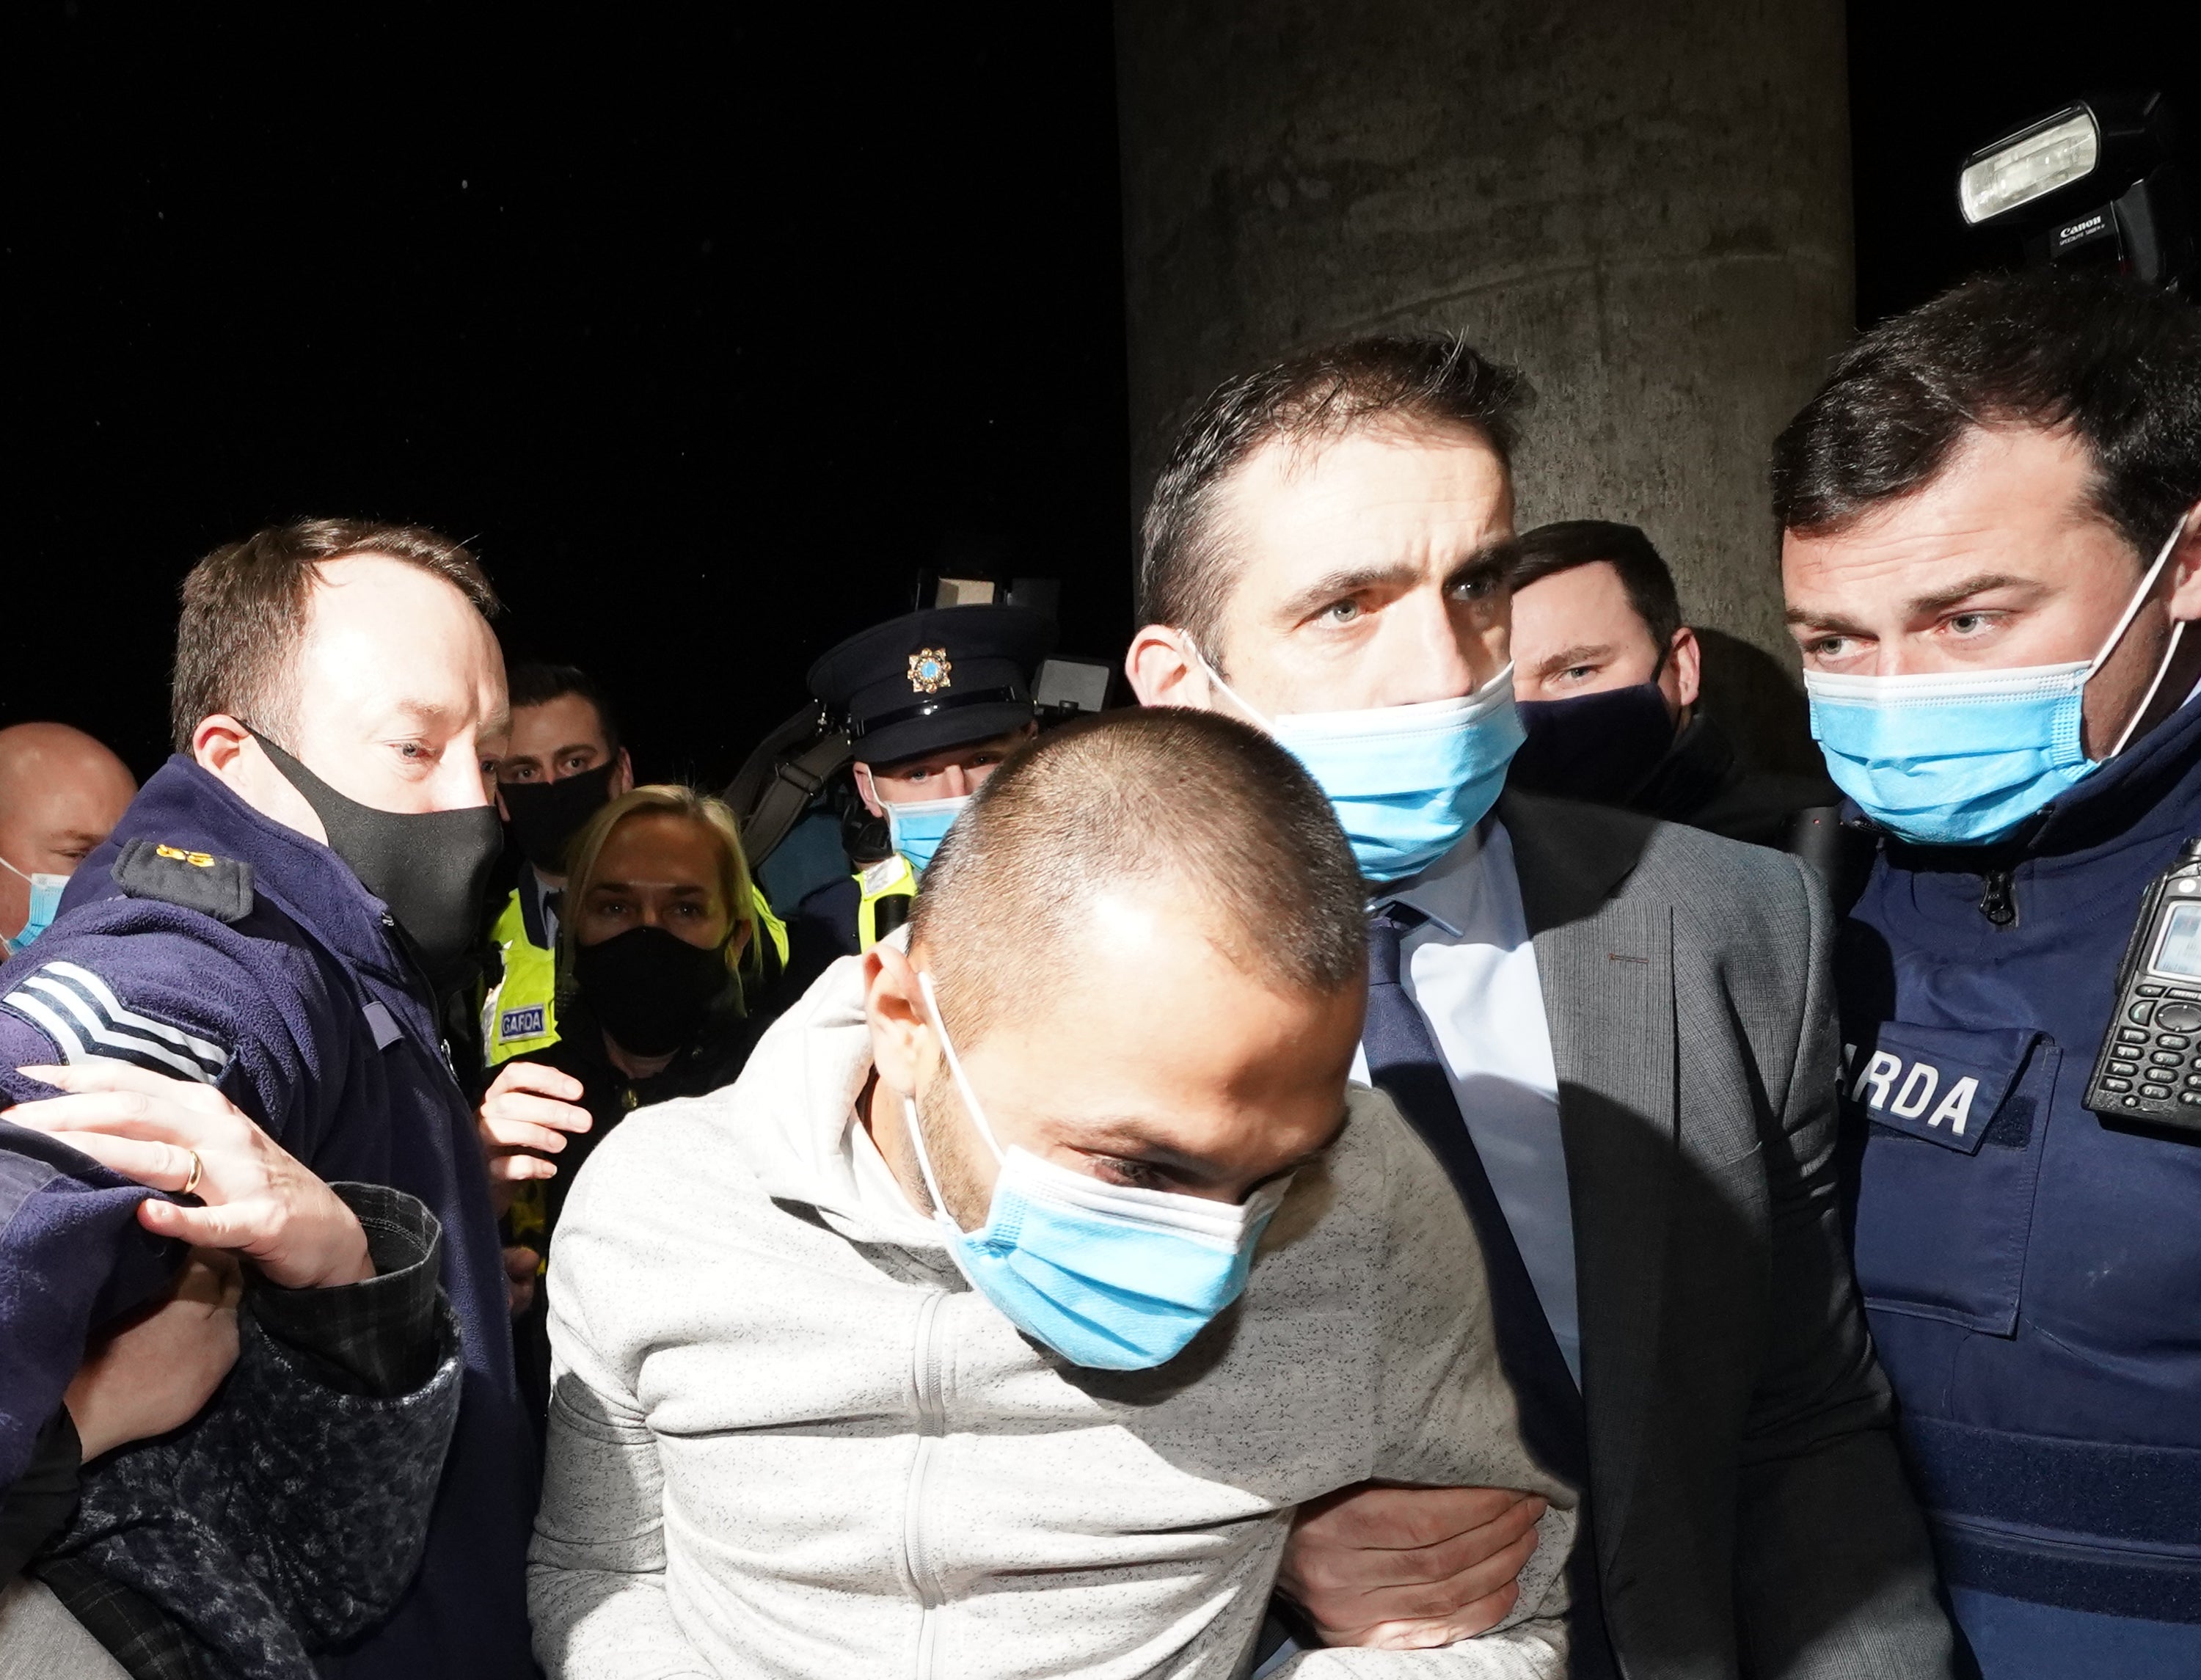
(924, 1162)
(955, 1065)
(1237, 698)
(2169, 654)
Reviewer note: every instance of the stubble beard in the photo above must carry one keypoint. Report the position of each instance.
(951, 1140)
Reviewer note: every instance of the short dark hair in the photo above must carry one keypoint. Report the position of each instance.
(537, 682)
(2116, 362)
(1564, 544)
(246, 604)
(1432, 382)
(1144, 797)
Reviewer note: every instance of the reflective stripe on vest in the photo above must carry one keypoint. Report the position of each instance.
(769, 925)
(519, 1015)
(889, 878)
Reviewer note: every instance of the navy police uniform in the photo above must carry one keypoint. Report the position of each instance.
(920, 684)
(205, 941)
(2033, 1273)
(73, 1256)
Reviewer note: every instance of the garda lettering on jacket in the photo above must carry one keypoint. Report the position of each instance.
(522, 1023)
(1932, 1083)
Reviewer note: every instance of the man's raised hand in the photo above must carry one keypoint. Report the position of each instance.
(178, 1135)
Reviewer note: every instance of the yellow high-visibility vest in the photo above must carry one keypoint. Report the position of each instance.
(519, 1012)
(770, 926)
(889, 878)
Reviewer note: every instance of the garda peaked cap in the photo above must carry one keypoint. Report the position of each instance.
(929, 681)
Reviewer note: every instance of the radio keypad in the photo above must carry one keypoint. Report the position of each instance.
(2154, 1057)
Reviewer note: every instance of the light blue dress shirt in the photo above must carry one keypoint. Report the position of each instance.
(1472, 970)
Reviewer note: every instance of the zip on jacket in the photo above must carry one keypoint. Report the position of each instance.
(931, 1425)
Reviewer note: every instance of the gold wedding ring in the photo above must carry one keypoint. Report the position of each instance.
(199, 1166)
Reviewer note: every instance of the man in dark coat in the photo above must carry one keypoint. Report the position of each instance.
(1612, 1031)
(231, 1486)
(1993, 561)
(273, 916)
(1607, 676)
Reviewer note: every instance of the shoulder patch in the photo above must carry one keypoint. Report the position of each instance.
(80, 1013)
(220, 887)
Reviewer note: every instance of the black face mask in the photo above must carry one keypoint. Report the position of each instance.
(546, 815)
(648, 988)
(430, 867)
(1595, 747)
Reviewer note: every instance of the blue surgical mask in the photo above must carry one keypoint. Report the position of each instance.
(45, 904)
(916, 829)
(1963, 758)
(1109, 1276)
(1407, 782)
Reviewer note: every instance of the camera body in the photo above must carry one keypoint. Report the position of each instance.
(2096, 182)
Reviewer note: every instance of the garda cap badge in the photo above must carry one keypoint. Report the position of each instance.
(929, 671)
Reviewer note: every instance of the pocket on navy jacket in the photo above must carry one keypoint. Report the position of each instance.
(1955, 1124)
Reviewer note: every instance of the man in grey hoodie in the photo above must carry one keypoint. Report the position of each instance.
(997, 1321)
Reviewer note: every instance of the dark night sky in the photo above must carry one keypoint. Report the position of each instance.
(710, 338)
(710, 335)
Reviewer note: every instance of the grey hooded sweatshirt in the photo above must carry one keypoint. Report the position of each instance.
(787, 1439)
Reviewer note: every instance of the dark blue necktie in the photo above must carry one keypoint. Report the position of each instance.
(1405, 1063)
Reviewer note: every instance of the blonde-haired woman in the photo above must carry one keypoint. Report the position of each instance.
(659, 947)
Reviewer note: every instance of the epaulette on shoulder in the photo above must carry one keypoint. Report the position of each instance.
(220, 887)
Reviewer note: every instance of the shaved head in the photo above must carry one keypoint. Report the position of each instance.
(1184, 819)
(62, 792)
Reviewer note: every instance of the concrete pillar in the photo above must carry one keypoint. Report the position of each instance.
(1643, 203)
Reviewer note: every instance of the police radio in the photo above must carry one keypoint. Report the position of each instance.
(2150, 1065)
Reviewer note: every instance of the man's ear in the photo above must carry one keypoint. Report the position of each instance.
(622, 775)
(226, 748)
(894, 1010)
(1685, 658)
(1165, 669)
(866, 791)
(2185, 567)
(218, 743)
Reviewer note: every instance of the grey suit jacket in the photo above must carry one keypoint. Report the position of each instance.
(1750, 1514)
